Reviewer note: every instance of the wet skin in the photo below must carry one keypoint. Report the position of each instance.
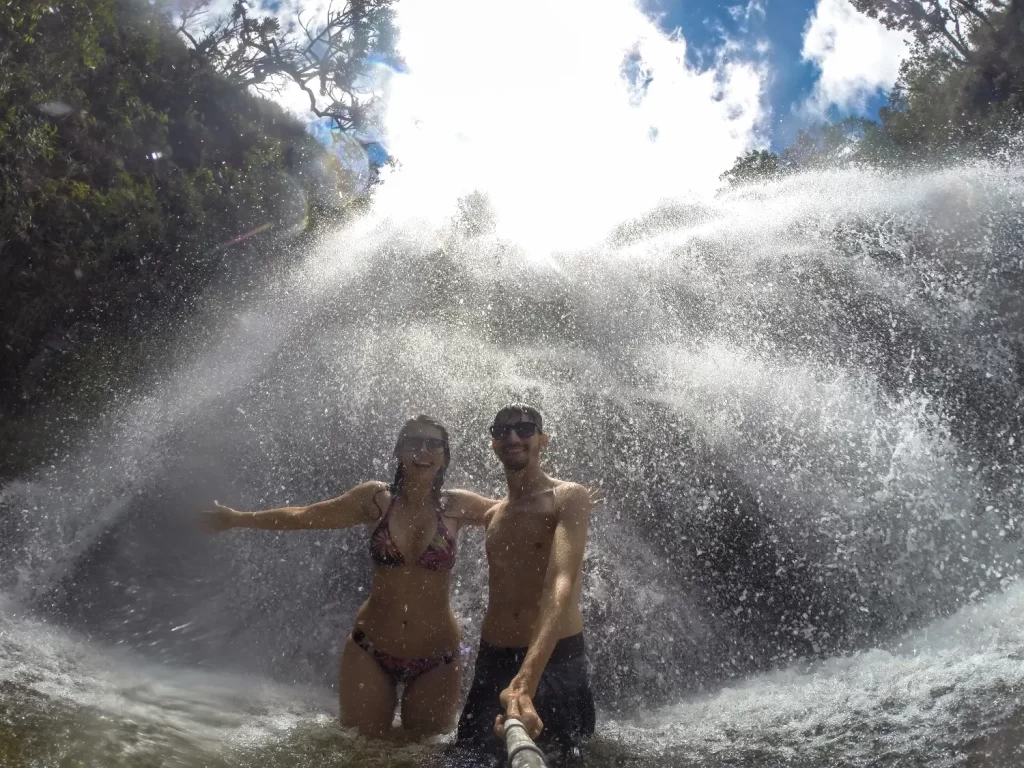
(519, 541)
(536, 539)
(407, 614)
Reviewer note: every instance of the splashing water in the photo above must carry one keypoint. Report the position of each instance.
(800, 400)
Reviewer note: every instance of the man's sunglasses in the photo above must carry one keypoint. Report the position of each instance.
(413, 444)
(524, 429)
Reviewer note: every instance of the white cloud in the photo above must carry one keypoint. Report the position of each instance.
(857, 56)
(745, 13)
(528, 103)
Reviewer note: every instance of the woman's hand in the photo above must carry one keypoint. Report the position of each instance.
(218, 519)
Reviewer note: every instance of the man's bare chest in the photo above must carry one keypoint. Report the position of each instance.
(521, 531)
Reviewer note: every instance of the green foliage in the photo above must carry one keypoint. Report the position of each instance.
(757, 165)
(825, 145)
(127, 163)
(948, 24)
(960, 91)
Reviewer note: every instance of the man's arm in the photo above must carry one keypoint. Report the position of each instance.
(564, 567)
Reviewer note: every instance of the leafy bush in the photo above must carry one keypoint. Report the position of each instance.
(126, 160)
(129, 164)
(960, 91)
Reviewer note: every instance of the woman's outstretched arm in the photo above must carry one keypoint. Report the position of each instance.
(354, 507)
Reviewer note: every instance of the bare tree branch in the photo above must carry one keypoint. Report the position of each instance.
(253, 51)
(952, 21)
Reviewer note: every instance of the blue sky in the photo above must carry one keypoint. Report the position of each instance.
(526, 102)
(813, 59)
(707, 25)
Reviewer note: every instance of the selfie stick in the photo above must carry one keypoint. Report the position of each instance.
(522, 752)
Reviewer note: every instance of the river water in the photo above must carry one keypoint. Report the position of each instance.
(950, 695)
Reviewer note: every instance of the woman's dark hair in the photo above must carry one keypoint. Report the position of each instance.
(435, 490)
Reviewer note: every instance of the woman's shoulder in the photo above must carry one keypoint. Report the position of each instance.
(372, 493)
(371, 488)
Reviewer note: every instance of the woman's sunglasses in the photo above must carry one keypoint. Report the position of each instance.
(524, 429)
(413, 444)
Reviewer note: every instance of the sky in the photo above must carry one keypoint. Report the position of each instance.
(820, 57)
(571, 115)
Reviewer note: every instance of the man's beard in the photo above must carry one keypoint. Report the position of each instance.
(516, 462)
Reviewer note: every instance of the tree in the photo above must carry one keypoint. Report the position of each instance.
(757, 165)
(820, 145)
(329, 61)
(951, 21)
(950, 97)
(126, 171)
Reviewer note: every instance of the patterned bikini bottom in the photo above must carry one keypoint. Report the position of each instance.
(404, 671)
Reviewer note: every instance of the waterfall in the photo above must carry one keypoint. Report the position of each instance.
(800, 400)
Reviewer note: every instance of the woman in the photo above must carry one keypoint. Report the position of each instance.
(406, 631)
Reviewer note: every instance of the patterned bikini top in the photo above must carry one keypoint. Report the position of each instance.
(438, 556)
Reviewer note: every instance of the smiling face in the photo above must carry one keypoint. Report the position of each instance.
(422, 450)
(517, 440)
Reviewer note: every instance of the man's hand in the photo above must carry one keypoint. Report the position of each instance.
(518, 703)
(218, 519)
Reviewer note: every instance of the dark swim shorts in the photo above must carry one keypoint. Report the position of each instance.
(563, 701)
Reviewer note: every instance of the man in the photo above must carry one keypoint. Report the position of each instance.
(532, 663)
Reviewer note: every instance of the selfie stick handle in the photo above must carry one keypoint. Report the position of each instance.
(522, 752)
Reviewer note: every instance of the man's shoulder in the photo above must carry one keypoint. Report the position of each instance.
(566, 486)
(571, 496)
